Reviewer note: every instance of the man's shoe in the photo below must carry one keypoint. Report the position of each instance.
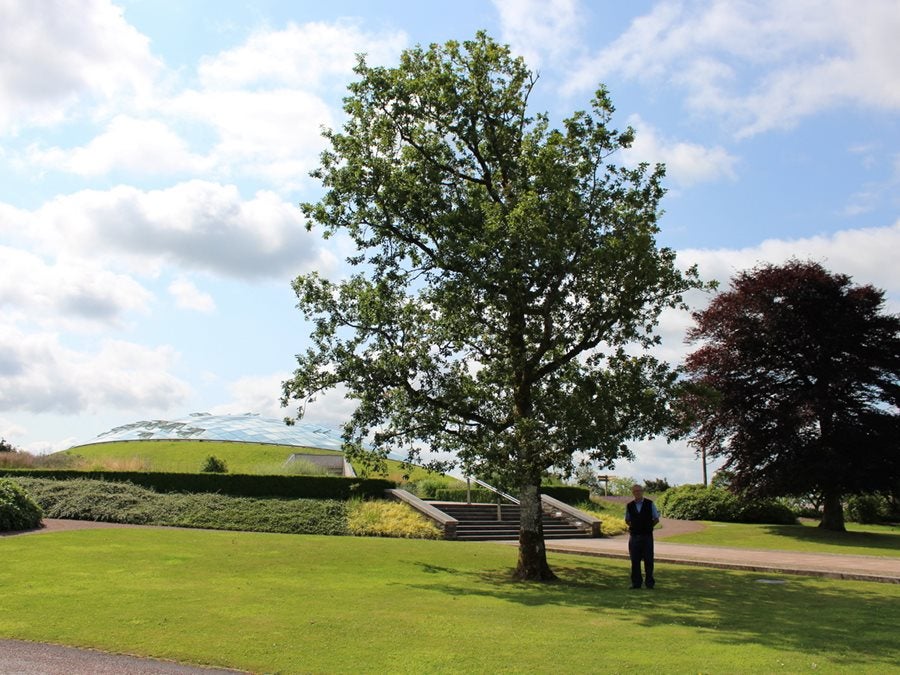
(635, 588)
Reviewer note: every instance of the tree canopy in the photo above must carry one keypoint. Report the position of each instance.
(803, 372)
(508, 278)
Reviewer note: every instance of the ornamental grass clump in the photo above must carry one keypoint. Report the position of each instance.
(389, 519)
(18, 511)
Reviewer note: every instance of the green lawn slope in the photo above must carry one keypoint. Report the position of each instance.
(187, 456)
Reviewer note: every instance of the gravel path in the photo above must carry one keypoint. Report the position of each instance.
(36, 658)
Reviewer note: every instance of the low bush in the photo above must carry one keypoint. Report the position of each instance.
(698, 502)
(389, 519)
(769, 511)
(18, 511)
(477, 495)
(214, 465)
(868, 509)
(611, 524)
(568, 494)
(126, 503)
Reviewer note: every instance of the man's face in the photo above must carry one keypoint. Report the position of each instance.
(638, 492)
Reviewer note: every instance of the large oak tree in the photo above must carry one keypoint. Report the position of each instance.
(503, 268)
(802, 372)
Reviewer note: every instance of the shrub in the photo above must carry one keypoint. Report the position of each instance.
(389, 519)
(214, 465)
(18, 511)
(610, 524)
(428, 488)
(478, 495)
(235, 484)
(568, 494)
(656, 486)
(127, 503)
(869, 508)
(697, 502)
(770, 511)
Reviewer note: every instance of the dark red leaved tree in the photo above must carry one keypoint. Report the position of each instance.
(797, 385)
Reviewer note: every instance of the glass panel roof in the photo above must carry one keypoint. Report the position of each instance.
(249, 428)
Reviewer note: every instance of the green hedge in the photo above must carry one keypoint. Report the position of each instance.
(698, 502)
(568, 494)
(237, 485)
(18, 511)
(479, 495)
(564, 493)
(115, 502)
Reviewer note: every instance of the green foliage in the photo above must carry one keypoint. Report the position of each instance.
(486, 238)
(126, 503)
(6, 446)
(696, 502)
(611, 524)
(389, 519)
(427, 488)
(868, 508)
(569, 494)
(214, 465)
(18, 510)
(620, 486)
(476, 494)
(656, 486)
(239, 485)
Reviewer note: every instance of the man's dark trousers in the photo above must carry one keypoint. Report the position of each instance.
(640, 548)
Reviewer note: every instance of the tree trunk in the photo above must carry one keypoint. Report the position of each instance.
(832, 512)
(532, 552)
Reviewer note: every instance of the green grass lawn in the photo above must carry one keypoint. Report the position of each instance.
(880, 540)
(187, 456)
(288, 604)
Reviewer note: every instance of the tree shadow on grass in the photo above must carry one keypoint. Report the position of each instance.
(854, 622)
(880, 540)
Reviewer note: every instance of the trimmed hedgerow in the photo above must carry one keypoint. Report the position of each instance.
(126, 503)
(569, 494)
(238, 485)
(18, 511)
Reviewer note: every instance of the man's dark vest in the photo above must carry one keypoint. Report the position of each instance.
(641, 522)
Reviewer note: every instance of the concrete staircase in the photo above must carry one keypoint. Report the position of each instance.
(479, 522)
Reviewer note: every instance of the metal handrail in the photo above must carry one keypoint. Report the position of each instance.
(496, 491)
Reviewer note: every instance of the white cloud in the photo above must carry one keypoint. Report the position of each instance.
(686, 163)
(56, 53)
(188, 296)
(38, 374)
(262, 394)
(193, 225)
(138, 146)
(798, 56)
(868, 255)
(305, 56)
(272, 134)
(534, 28)
(67, 293)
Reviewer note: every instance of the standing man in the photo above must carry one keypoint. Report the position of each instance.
(641, 516)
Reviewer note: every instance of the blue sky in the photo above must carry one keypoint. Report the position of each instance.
(153, 153)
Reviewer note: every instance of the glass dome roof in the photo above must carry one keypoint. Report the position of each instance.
(248, 428)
